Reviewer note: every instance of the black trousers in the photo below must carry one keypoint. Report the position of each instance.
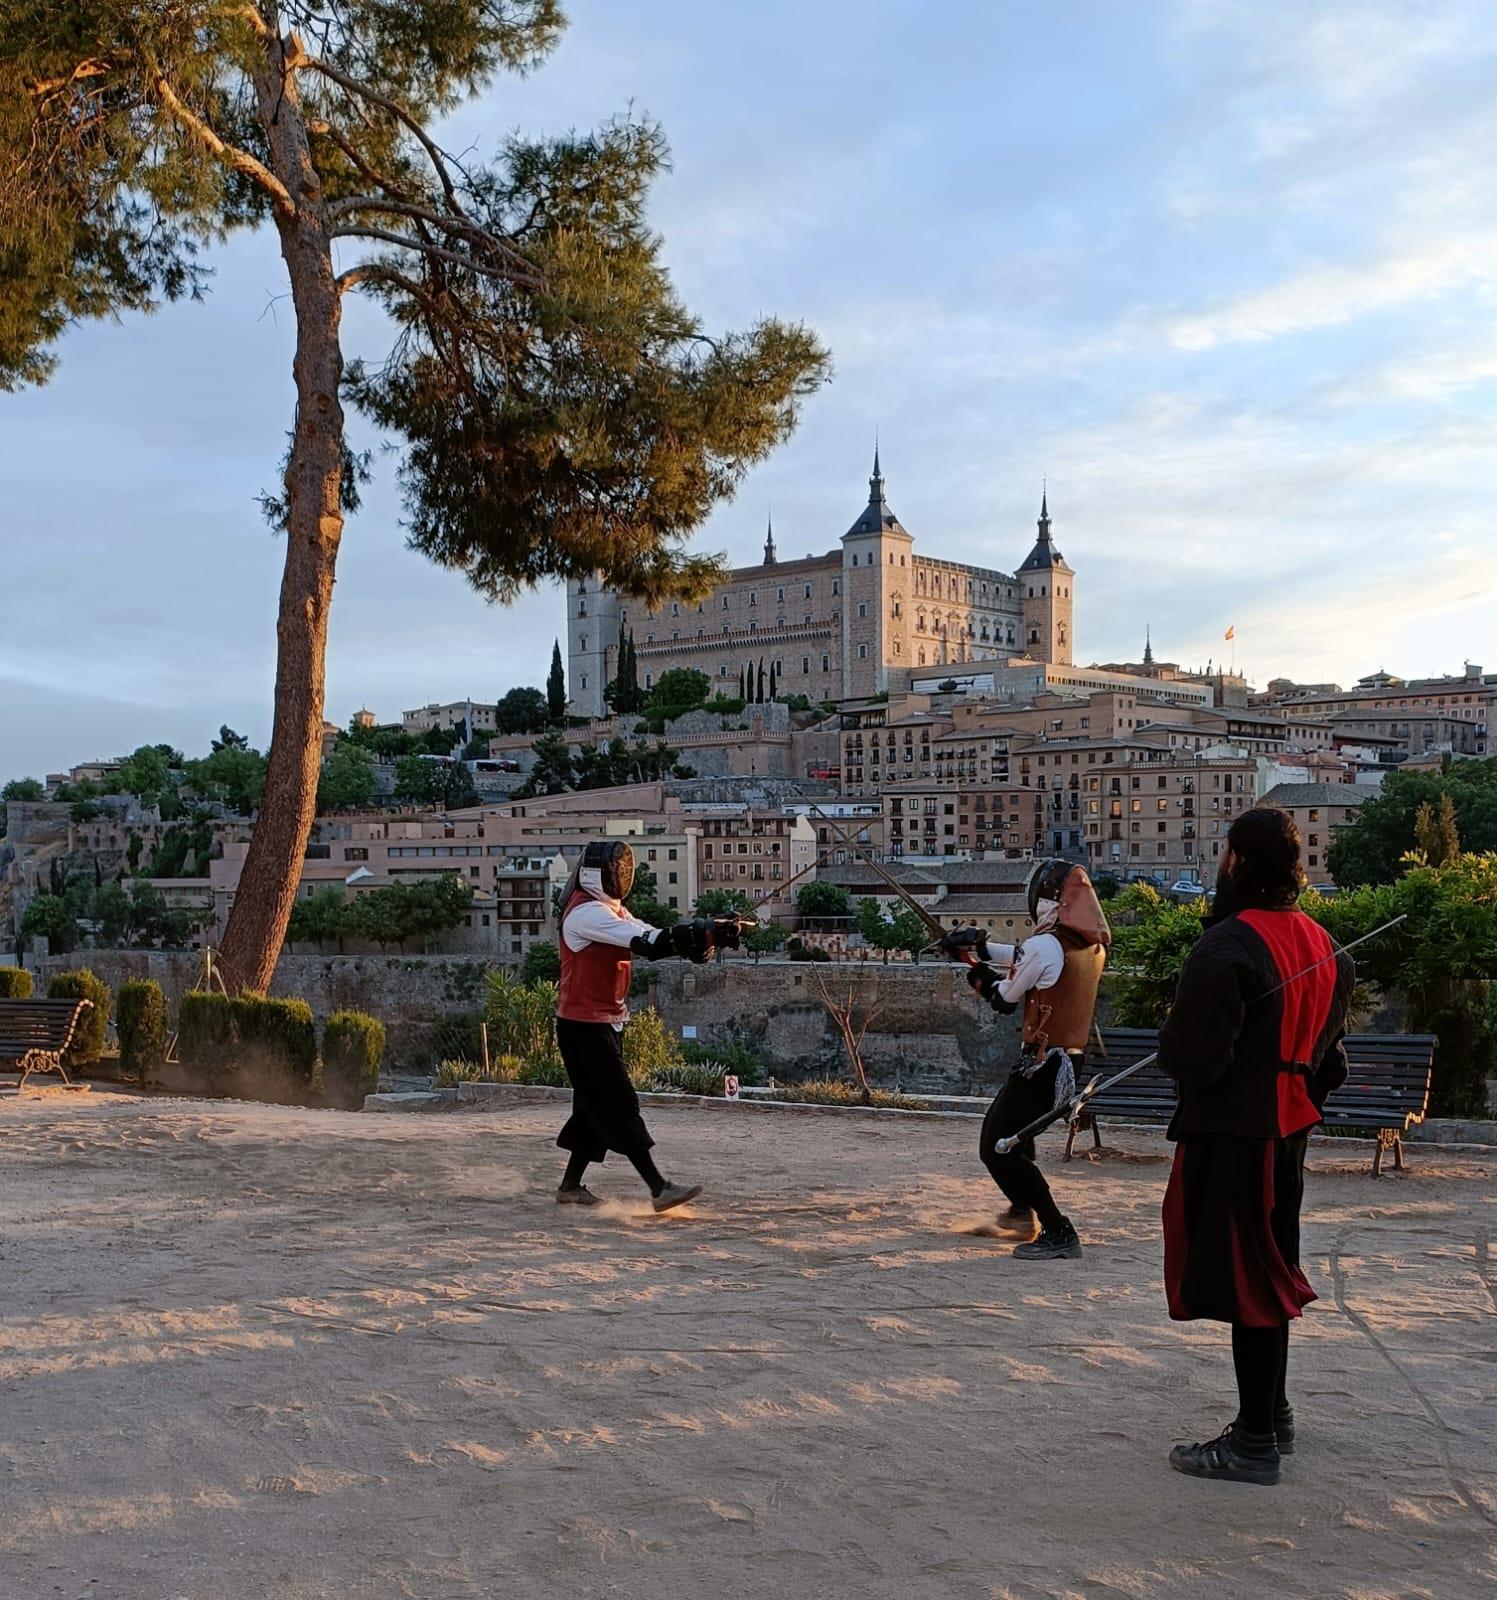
(605, 1109)
(1019, 1101)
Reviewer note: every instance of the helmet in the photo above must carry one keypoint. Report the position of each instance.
(607, 868)
(1068, 885)
(1046, 882)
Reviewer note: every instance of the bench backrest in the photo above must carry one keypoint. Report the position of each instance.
(44, 1026)
(1387, 1084)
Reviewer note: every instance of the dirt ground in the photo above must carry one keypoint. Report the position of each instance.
(248, 1351)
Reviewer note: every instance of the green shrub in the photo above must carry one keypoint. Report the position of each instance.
(353, 1045)
(457, 1037)
(546, 1073)
(542, 964)
(649, 1046)
(704, 1079)
(521, 1020)
(141, 1025)
(93, 1025)
(839, 1092)
(15, 983)
(205, 1030)
(275, 1033)
(502, 1069)
(735, 1057)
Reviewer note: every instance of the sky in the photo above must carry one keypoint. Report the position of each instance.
(1224, 275)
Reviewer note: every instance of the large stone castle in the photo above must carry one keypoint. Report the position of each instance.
(859, 620)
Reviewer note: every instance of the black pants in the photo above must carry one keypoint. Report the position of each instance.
(605, 1109)
(1019, 1101)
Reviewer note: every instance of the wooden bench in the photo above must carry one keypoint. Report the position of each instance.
(1385, 1094)
(35, 1034)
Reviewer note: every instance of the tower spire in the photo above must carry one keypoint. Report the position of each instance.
(876, 482)
(770, 553)
(1044, 523)
(1148, 645)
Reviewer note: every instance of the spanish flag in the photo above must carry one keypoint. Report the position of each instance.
(1231, 632)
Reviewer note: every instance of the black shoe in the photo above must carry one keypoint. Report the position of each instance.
(1016, 1220)
(579, 1195)
(1054, 1244)
(1283, 1427)
(1234, 1456)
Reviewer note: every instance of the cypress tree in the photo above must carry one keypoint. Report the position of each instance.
(556, 685)
(761, 681)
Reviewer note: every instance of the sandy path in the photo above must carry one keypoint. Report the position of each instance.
(255, 1352)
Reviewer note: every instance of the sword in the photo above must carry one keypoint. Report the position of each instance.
(1098, 1085)
(931, 921)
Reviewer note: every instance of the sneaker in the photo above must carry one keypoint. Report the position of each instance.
(1233, 1455)
(1283, 1427)
(580, 1196)
(1053, 1244)
(675, 1194)
(1018, 1220)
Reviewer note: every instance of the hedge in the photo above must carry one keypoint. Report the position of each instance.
(275, 1033)
(353, 1045)
(249, 1032)
(93, 1025)
(205, 1031)
(15, 983)
(141, 1025)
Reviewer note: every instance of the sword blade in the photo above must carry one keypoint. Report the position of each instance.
(930, 920)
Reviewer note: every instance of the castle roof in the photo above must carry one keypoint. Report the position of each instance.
(877, 516)
(1044, 556)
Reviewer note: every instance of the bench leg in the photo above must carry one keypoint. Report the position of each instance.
(1397, 1153)
(1096, 1135)
(1072, 1129)
(1387, 1140)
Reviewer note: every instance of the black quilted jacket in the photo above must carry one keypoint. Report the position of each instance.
(1225, 1040)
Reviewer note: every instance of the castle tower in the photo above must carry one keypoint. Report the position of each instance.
(771, 555)
(1046, 586)
(592, 644)
(876, 576)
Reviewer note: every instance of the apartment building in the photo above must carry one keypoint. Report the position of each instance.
(1164, 815)
(1318, 809)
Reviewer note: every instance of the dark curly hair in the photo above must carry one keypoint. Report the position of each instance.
(1266, 874)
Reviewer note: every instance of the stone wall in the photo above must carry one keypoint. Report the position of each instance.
(929, 1031)
(409, 994)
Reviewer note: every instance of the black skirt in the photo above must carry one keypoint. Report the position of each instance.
(1231, 1230)
(605, 1109)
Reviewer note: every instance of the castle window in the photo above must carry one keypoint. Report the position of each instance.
(780, 595)
(582, 608)
(862, 608)
(826, 662)
(649, 638)
(891, 558)
(584, 683)
(836, 586)
(805, 665)
(725, 602)
(1031, 591)
(807, 595)
(862, 652)
(855, 558)
(753, 597)
(584, 641)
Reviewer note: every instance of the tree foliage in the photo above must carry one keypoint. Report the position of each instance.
(346, 782)
(233, 774)
(420, 780)
(823, 900)
(679, 690)
(524, 710)
(1371, 847)
(559, 411)
(556, 690)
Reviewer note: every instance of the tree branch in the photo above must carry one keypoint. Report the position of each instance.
(230, 155)
(353, 86)
(460, 224)
(508, 274)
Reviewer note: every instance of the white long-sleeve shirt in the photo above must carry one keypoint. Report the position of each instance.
(602, 921)
(1042, 959)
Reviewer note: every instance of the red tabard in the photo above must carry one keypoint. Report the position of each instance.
(594, 979)
(1295, 943)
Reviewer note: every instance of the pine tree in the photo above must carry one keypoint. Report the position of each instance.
(530, 306)
(1439, 840)
(556, 687)
(760, 696)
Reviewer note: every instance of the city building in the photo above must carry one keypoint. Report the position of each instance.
(474, 716)
(1317, 809)
(1414, 705)
(759, 851)
(1165, 814)
(856, 620)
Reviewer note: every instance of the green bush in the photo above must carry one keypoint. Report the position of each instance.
(706, 1079)
(546, 1072)
(735, 1057)
(649, 1046)
(838, 1092)
(15, 983)
(205, 1030)
(502, 1069)
(93, 1025)
(542, 964)
(271, 1034)
(141, 1025)
(521, 1020)
(457, 1037)
(353, 1045)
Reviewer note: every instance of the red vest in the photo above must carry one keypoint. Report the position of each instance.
(594, 979)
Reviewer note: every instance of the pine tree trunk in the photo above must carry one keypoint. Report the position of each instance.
(272, 868)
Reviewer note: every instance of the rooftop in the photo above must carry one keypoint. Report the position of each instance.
(1318, 794)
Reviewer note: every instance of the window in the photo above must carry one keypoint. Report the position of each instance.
(355, 853)
(862, 608)
(805, 665)
(807, 594)
(836, 586)
(584, 682)
(862, 652)
(779, 594)
(725, 602)
(826, 662)
(584, 641)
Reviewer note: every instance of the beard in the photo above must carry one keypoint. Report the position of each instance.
(1229, 897)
